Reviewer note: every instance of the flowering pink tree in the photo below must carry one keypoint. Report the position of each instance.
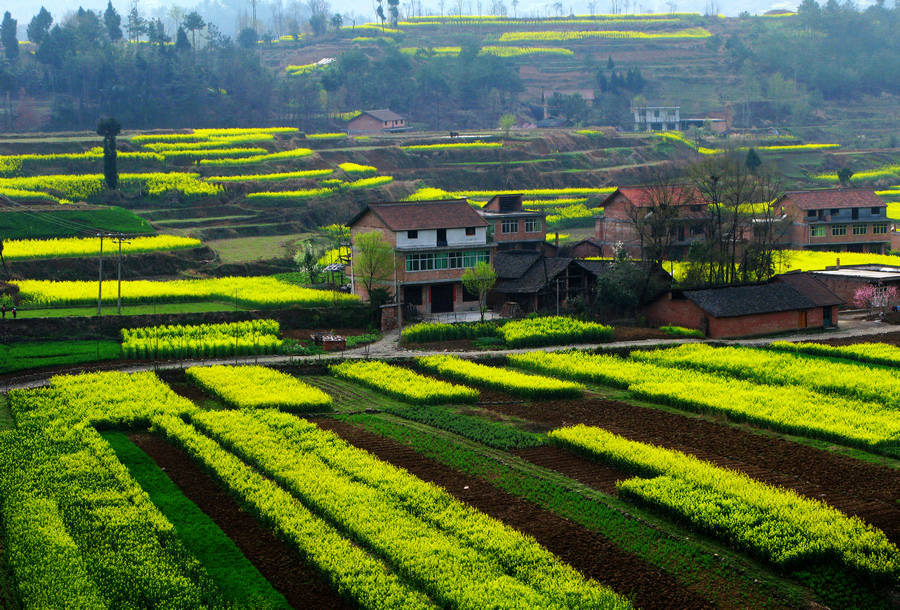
(872, 297)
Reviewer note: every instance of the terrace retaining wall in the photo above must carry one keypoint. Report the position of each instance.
(109, 326)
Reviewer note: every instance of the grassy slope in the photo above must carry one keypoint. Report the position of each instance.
(18, 225)
(236, 577)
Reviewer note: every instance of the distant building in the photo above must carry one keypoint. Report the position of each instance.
(376, 121)
(842, 219)
(657, 118)
(789, 302)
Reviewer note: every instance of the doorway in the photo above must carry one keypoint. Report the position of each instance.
(441, 298)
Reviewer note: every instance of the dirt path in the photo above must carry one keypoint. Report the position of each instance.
(588, 552)
(852, 486)
(300, 583)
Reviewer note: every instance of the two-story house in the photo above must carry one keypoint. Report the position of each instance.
(844, 219)
(624, 206)
(513, 227)
(434, 242)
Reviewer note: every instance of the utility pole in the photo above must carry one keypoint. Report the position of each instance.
(100, 278)
(120, 237)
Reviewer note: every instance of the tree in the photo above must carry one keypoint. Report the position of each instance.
(113, 22)
(844, 174)
(871, 297)
(372, 260)
(479, 280)
(136, 25)
(109, 128)
(626, 284)
(394, 11)
(247, 38)
(181, 40)
(318, 23)
(752, 161)
(657, 222)
(337, 22)
(8, 37)
(39, 26)
(506, 123)
(379, 12)
(192, 23)
(307, 260)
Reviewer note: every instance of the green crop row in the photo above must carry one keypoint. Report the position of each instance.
(514, 382)
(352, 571)
(490, 433)
(681, 331)
(131, 553)
(356, 168)
(403, 384)
(451, 146)
(849, 379)
(424, 332)
(791, 409)
(21, 249)
(777, 524)
(298, 175)
(287, 155)
(460, 557)
(252, 337)
(257, 387)
(254, 291)
(553, 330)
(874, 353)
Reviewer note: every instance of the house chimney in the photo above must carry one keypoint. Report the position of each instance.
(837, 263)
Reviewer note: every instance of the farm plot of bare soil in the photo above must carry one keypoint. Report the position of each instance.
(300, 583)
(588, 552)
(852, 486)
(891, 338)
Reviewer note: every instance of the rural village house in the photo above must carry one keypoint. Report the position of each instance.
(434, 243)
(788, 302)
(376, 121)
(848, 219)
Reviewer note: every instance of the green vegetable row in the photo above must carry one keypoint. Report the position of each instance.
(252, 337)
(256, 387)
(777, 524)
(875, 353)
(553, 330)
(352, 571)
(490, 433)
(792, 409)
(402, 383)
(461, 557)
(438, 331)
(860, 381)
(515, 382)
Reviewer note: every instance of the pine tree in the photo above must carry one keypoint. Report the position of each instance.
(8, 37)
(113, 22)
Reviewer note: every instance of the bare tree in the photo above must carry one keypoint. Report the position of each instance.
(659, 220)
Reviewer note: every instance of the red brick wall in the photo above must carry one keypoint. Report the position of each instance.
(801, 239)
(682, 312)
(521, 234)
(586, 250)
(365, 123)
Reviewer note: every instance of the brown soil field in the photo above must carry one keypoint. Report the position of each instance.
(300, 583)
(855, 487)
(588, 552)
(891, 338)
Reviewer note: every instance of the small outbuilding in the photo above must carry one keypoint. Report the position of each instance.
(377, 121)
(786, 303)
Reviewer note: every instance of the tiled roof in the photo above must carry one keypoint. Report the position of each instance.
(643, 197)
(824, 199)
(512, 264)
(754, 299)
(422, 215)
(811, 287)
(384, 115)
(535, 278)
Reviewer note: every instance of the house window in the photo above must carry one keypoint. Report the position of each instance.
(510, 225)
(817, 231)
(879, 228)
(470, 230)
(532, 225)
(859, 229)
(430, 261)
(876, 211)
(839, 230)
(473, 257)
(835, 211)
(811, 213)
(419, 262)
(412, 235)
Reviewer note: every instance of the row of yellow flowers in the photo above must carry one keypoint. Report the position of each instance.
(256, 387)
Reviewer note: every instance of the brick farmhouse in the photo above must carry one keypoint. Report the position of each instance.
(376, 121)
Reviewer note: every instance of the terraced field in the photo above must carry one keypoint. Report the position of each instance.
(279, 489)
